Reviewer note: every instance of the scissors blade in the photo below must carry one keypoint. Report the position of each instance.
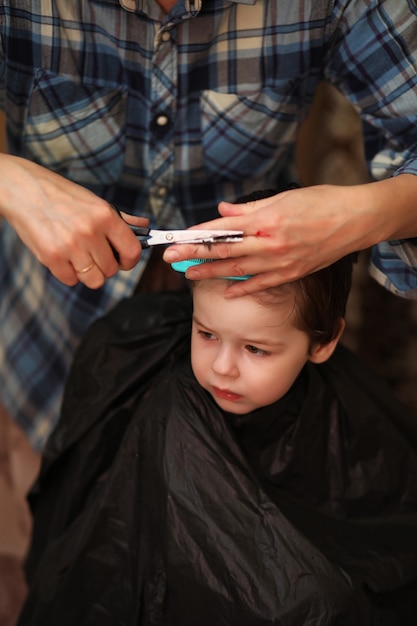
(158, 237)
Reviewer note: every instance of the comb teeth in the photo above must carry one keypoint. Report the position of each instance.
(182, 266)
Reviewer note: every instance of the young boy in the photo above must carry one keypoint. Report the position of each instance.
(266, 478)
(248, 352)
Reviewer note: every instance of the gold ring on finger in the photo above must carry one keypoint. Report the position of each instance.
(85, 269)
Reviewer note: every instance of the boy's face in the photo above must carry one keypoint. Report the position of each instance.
(246, 354)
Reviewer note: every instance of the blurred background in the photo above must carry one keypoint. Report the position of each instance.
(381, 328)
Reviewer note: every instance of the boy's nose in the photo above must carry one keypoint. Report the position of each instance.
(225, 363)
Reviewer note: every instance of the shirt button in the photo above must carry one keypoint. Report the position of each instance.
(162, 120)
(166, 36)
(161, 124)
(162, 191)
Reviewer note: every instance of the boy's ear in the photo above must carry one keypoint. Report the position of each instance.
(321, 352)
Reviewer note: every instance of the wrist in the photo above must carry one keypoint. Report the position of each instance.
(394, 203)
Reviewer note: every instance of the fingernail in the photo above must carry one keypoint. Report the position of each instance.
(193, 274)
(171, 255)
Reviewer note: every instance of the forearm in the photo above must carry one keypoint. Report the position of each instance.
(352, 218)
(395, 201)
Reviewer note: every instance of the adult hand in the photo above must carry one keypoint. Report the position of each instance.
(68, 228)
(300, 231)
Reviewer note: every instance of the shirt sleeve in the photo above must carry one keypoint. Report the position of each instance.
(394, 266)
(372, 59)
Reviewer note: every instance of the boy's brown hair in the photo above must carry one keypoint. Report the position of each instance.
(319, 300)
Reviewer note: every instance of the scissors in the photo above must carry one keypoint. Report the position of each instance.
(167, 237)
(154, 237)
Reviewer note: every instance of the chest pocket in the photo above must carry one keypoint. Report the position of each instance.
(244, 136)
(77, 130)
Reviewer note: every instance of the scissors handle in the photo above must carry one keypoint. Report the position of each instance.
(140, 231)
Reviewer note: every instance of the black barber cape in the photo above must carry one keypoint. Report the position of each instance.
(155, 507)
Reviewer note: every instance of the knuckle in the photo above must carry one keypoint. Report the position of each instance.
(85, 230)
(62, 246)
(238, 270)
(67, 278)
(95, 283)
(223, 251)
(111, 271)
(107, 218)
(53, 255)
(131, 257)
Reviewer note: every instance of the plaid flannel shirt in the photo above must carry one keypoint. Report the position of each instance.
(166, 115)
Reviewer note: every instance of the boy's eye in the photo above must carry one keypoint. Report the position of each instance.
(257, 351)
(206, 335)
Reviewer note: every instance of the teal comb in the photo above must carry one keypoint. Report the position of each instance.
(182, 266)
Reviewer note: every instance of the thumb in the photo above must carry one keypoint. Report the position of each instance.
(227, 209)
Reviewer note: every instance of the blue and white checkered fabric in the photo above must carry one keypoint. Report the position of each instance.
(83, 83)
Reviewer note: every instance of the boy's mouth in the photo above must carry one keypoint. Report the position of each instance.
(225, 394)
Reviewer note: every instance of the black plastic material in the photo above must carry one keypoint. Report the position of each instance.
(154, 507)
